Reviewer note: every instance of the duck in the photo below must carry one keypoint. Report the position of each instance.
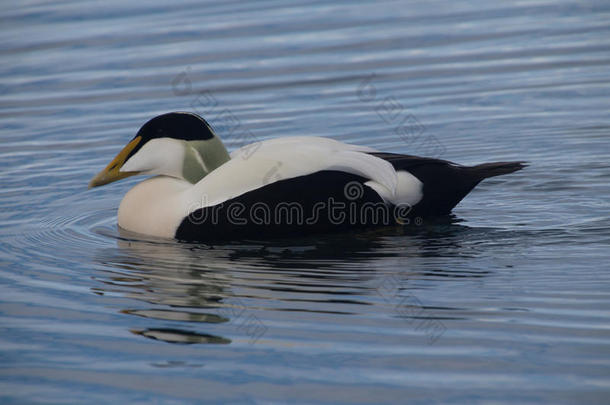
(298, 185)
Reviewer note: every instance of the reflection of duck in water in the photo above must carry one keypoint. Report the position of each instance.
(194, 293)
(179, 289)
(282, 186)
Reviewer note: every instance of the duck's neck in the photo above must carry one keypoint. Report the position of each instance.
(201, 157)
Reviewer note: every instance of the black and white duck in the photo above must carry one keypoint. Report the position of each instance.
(277, 187)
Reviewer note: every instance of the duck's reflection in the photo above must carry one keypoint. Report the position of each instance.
(188, 286)
(180, 336)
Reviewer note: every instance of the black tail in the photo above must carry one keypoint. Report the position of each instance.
(495, 169)
(445, 183)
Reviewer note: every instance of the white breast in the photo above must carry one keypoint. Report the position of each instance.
(155, 206)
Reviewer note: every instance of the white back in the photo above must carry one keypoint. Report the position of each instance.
(266, 162)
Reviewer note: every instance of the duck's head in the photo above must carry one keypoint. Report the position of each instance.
(176, 144)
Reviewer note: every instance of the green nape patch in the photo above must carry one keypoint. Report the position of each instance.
(201, 157)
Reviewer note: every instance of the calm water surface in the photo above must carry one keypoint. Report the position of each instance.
(508, 301)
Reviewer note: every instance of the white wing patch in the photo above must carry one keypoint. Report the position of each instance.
(367, 166)
(409, 189)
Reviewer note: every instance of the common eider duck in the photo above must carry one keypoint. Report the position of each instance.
(278, 187)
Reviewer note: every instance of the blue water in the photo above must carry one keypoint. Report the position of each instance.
(508, 301)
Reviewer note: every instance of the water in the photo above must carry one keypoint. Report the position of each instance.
(508, 301)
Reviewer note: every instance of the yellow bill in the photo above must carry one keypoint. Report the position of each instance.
(112, 171)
